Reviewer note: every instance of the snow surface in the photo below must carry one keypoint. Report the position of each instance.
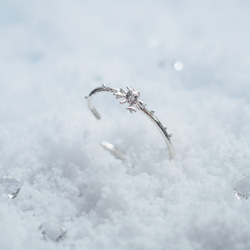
(53, 53)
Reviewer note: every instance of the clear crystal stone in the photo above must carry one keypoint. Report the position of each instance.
(242, 188)
(9, 186)
(52, 231)
(132, 96)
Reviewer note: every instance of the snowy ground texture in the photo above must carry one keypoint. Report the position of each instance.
(53, 53)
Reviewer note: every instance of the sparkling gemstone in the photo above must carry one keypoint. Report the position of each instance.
(132, 96)
(9, 186)
(242, 188)
(52, 231)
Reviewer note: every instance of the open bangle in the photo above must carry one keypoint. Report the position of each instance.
(131, 96)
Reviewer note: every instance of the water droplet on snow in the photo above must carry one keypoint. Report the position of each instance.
(178, 66)
(9, 186)
(242, 188)
(52, 231)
